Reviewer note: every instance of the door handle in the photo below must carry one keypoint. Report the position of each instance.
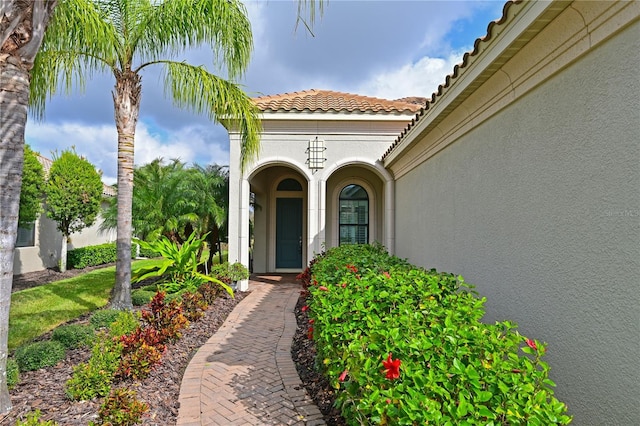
(300, 244)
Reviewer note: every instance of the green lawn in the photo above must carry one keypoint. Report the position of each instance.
(38, 310)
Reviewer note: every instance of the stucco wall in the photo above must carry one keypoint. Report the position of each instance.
(46, 252)
(540, 208)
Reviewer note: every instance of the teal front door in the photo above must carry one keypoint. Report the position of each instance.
(289, 233)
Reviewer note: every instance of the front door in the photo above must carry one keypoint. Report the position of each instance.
(289, 233)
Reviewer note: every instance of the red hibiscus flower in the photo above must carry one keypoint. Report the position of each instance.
(352, 268)
(323, 288)
(392, 367)
(311, 321)
(305, 308)
(343, 375)
(532, 344)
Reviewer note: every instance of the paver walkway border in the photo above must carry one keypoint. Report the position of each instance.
(244, 374)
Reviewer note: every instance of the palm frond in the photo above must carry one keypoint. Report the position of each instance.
(196, 89)
(77, 43)
(174, 25)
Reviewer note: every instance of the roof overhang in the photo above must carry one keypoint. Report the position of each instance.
(520, 23)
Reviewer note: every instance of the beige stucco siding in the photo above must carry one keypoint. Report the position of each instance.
(539, 206)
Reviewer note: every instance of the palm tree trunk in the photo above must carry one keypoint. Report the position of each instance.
(126, 100)
(14, 98)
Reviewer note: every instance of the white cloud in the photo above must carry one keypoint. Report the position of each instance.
(416, 79)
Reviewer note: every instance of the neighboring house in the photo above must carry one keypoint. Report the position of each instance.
(38, 247)
(522, 173)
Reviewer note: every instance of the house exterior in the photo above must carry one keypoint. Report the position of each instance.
(38, 248)
(521, 173)
(314, 145)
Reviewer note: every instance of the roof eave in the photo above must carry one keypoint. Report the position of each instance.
(473, 73)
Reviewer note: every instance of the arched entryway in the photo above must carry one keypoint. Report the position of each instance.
(279, 219)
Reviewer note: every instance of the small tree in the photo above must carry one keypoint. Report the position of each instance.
(74, 192)
(32, 189)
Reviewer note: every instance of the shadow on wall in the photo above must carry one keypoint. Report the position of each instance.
(48, 242)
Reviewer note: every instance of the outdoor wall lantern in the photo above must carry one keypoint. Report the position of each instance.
(315, 154)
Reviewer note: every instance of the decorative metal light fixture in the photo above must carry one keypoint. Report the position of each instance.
(315, 154)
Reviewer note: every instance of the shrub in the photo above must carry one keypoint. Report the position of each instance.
(93, 378)
(141, 351)
(405, 345)
(34, 356)
(91, 256)
(230, 272)
(193, 305)
(125, 323)
(73, 335)
(179, 267)
(13, 373)
(103, 318)
(209, 292)
(33, 419)
(121, 408)
(141, 297)
(100, 254)
(166, 317)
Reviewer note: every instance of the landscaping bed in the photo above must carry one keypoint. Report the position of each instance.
(44, 389)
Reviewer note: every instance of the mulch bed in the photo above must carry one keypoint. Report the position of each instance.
(44, 389)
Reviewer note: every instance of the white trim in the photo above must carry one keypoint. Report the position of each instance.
(376, 167)
(335, 215)
(263, 163)
(336, 116)
(527, 16)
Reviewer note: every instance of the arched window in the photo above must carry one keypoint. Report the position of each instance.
(289, 185)
(354, 215)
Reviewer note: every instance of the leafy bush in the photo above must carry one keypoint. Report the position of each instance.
(121, 408)
(193, 305)
(33, 419)
(406, 346)
(91, 256)
(165, 317)
(125, 323)
(103, 318)
(73, 335)
(93, 378)
(142, 349)
(13, 373)
(141, 297)
(179, 267)
(34, 356)
(209, 292)
(228, 272)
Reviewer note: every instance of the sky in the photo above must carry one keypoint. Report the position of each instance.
(388, 49)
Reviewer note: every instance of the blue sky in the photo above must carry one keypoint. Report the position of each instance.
(389, 49)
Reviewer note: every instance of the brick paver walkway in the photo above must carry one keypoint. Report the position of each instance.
(244, 374)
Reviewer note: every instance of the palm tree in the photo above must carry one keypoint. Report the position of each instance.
(22, 27)
(136, 35)
(210, 187)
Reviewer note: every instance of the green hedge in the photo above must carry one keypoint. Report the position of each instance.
(34, 356)
(404, 345)
(101, 254)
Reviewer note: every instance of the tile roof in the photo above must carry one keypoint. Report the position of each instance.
(450, 79)
(327, 100)
(46, 166)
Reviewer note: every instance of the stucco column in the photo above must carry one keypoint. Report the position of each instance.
(322, 215)
(312, 220)
(243, 234)
(389, 229)
(238, 210)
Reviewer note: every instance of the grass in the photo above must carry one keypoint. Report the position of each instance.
(38, 310)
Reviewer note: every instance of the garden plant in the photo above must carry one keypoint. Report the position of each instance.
(404, 345)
